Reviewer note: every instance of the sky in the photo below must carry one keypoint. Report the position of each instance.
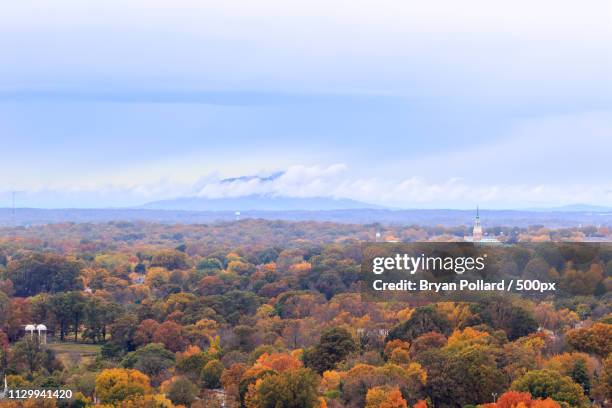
(410, 104)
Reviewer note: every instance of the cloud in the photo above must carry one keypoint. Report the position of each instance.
(296, 181)
(334, 180)
(406, 192)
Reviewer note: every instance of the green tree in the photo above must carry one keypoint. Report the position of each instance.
(44, 272)
(67, 309)
(211, 374)
(210, 265)
(4, 350)
(290, 389)
(192, 365)
(423, 320)
(440, 386)
(182, 392)
(475, 364)
(28, 355)
(152, 359)
(76, 305)
(234, 304)
(580, 375)
(335, 344)
(550, 384)
(98, 315)
(499, 313)
(330, 284)
(170, 259)
(40, 307)
(122, 332)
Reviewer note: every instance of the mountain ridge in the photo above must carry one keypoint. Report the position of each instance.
(258, 202)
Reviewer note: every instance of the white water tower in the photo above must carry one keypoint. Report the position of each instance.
(30, 328)
(41, 330)
(42, 333)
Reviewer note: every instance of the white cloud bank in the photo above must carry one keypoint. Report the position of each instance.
(333, 181)
(411, 192)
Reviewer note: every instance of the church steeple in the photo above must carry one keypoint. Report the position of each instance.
(477, 231)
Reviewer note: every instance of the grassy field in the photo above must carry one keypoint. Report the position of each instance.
(74, 354)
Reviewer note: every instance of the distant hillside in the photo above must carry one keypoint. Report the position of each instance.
(490, 218)
(258, 202)
(576, 207)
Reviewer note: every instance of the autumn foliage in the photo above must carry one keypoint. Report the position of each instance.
(269, 314)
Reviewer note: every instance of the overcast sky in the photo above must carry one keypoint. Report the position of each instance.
(436, 104)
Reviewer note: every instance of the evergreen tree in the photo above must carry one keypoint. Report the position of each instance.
(580, 376)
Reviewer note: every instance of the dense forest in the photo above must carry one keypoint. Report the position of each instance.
(269, 314)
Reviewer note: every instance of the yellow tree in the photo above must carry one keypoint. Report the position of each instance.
(118, 384)
(331, 380)
(147, 401)
(468, 337)
(383, 397)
